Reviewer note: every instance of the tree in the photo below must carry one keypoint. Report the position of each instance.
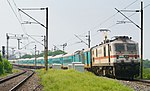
(57, 52)
(146, 63)
(7, 66)
(27, 56)
(50, 53)
(1, 66)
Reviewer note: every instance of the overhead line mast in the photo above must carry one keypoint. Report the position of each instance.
(14, 37)
(45, 26)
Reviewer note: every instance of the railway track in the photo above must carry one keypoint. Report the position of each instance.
(137, 85)
(14, 82)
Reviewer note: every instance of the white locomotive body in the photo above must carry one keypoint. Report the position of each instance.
(117, 58)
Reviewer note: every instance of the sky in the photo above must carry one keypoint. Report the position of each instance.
(68, 18)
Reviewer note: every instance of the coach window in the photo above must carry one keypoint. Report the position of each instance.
(93, 52)
(93, 59)
(104, 51)
(96, 53)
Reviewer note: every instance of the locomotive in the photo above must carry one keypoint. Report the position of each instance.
(118, 58)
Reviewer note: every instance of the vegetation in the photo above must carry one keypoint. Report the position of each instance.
(27, 56)
(5, 66)
(71, 80)
(146, 73)
(16, 71)
(1, 68)
(146, 69)
(50, 53)
(146, 63)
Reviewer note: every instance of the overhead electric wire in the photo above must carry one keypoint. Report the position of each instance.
(129, 16)
(23, 28)
(13, 10)
(131, 4)
(15, 4)
(107, 19)
(147, 6)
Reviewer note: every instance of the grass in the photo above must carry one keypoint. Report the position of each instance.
(3, 75)
(146, 73)
(71, 80)
(15, 71)
(6, 74)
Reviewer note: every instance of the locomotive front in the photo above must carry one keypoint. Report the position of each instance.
(126, 62)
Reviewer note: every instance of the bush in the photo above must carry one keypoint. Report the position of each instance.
(7, 66)
(1, 68)
(146, 73)
(146, 63)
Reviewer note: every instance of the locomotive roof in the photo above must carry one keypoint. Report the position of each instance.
(122, 39)
(118, 39)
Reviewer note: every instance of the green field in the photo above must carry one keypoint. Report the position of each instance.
(71, 80)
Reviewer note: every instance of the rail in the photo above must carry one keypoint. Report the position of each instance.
(22, 82)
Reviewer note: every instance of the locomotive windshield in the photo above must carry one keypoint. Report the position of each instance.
(131, 47)
(120, 47)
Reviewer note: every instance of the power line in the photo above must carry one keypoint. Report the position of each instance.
(15, 3)
(13, 11)
(130, 4)
(114, 15)
(128, 16)
(22, 26)
(147, 6)
(107, 19)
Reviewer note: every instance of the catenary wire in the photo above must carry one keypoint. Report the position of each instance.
(13, 10)
(128, 16)
(23, 28)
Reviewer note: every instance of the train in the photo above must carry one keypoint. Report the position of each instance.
(117, 58)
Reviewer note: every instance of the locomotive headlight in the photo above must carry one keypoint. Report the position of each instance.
(126, 56)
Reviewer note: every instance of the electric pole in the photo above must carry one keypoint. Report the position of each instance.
(141, 28)
(141, 39)
(35, 55)
(14, 36)
(7, 44)
(89, 40)
(46, 46)
(64, 45)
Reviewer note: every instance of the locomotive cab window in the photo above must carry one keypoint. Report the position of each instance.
(131, 47)
(119, 47)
